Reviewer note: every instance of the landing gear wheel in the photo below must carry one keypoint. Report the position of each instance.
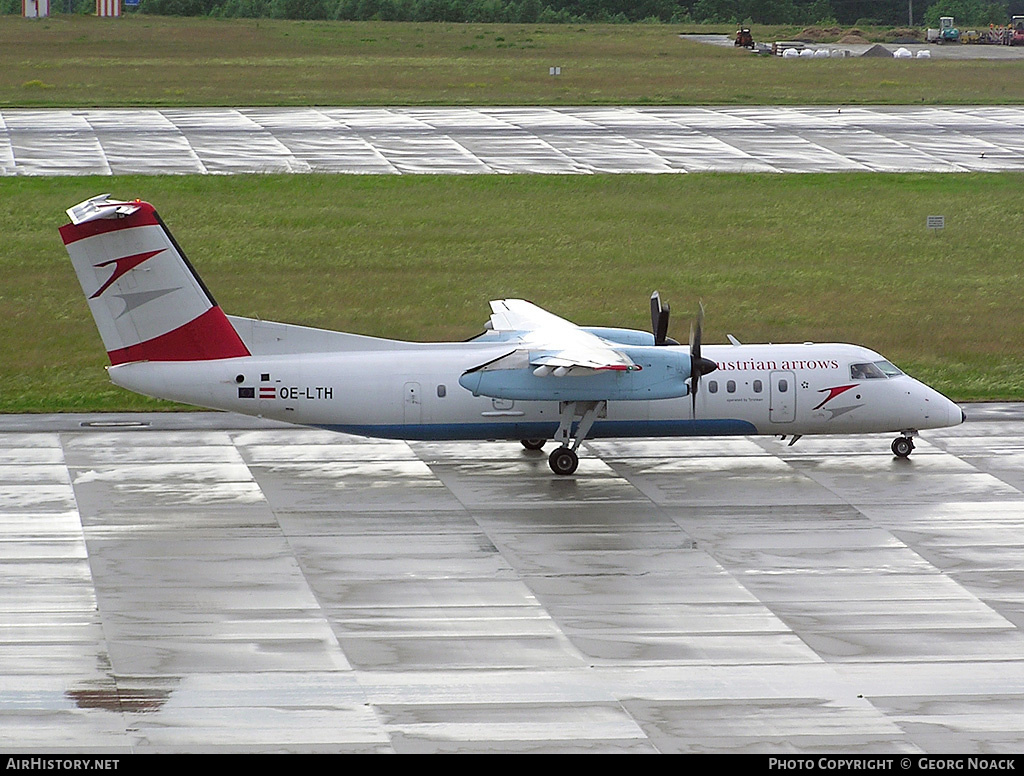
(902, 447)
(563, 461)
(533, 444)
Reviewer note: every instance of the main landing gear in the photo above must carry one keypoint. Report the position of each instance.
(564, 460)
(903, 446)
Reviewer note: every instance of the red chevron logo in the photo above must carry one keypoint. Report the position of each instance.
(123, 265)
(832, 393)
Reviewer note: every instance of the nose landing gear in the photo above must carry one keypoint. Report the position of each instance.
(903, 446)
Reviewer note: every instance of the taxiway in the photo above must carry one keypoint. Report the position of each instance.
(545, 140)
(205, 582)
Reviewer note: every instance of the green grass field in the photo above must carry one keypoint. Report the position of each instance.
(774, 258)
(80, 61)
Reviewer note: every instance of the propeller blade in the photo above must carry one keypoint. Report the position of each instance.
(699, 366)
(659, 320)
(695, 332)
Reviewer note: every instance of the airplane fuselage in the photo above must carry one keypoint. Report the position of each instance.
(531, 375)
(412, 391)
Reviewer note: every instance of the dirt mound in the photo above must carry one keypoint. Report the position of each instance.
(878, 50)
(853, 35)
(904, 35)
(818, 34)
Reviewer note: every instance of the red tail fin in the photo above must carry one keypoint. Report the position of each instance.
(148, 302)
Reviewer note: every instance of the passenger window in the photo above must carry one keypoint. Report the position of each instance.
(731, 386)
(713, 386)
(441, 391)
(757, 386)
(783, 386)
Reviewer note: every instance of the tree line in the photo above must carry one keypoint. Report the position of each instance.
(794, 12)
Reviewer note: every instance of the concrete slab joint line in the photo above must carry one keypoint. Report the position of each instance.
(511, 140)
(206, 582)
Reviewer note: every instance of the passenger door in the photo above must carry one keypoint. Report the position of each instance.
(413, 404)
(782, 397)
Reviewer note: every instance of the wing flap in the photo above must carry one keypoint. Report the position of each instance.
(590, 360)
(554, 344)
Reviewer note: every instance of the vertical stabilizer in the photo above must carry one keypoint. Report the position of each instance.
(148, 302)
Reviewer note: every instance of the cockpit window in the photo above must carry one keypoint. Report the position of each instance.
(865, 372)
(889, 369)
(873, 371)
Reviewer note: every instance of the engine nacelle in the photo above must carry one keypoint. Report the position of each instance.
(663, 374)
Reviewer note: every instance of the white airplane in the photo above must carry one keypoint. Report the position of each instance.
(530, 376)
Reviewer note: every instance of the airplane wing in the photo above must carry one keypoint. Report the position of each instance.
(519, 315)
(544, 349)
(554, 343)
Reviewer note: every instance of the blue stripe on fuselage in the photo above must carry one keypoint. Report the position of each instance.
(545, 430)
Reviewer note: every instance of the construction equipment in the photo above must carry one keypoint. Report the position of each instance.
(993, 35)
(946, 33)
(743, 38)
(1017, 31)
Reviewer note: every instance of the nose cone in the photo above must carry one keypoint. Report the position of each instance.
(928, 408)
(956, 415)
